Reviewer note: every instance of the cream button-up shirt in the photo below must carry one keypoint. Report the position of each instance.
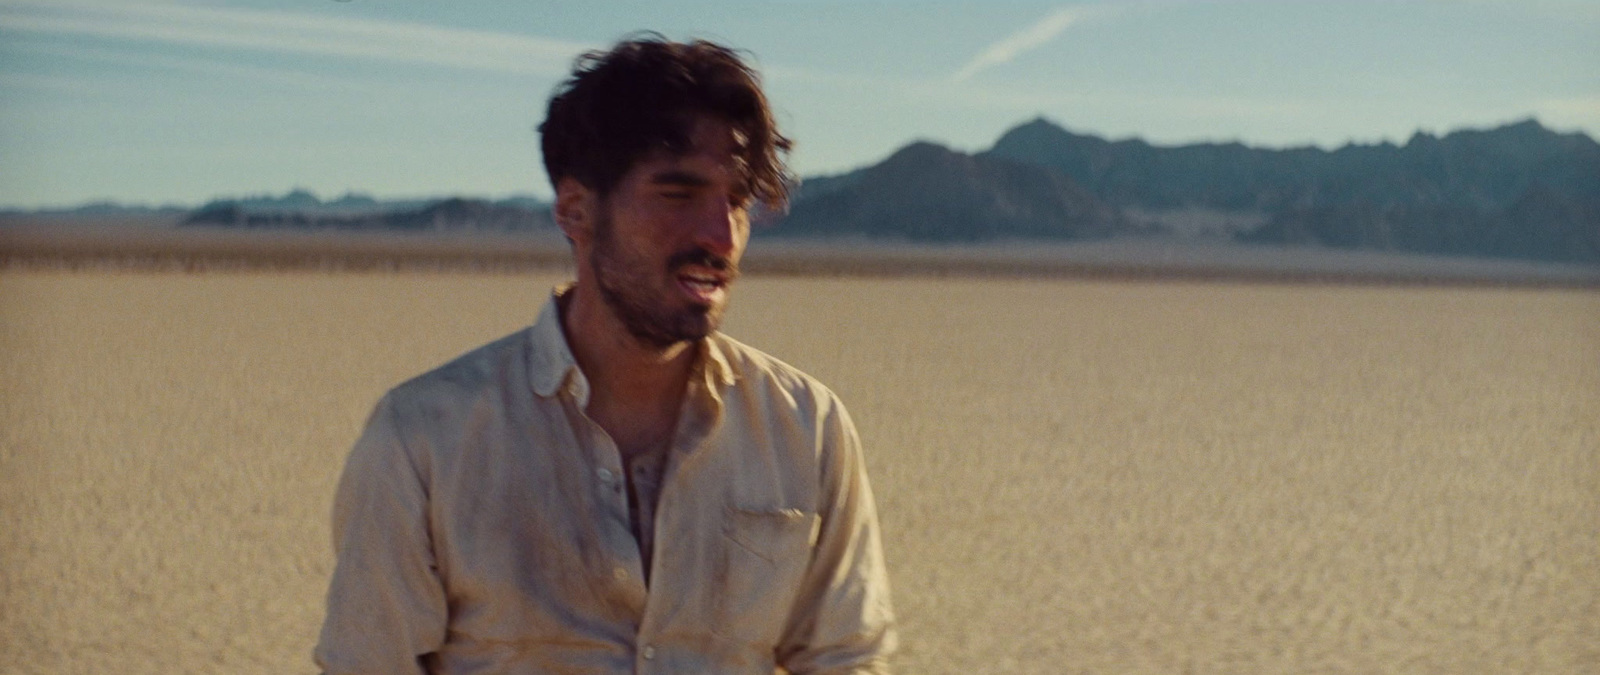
(481, 526)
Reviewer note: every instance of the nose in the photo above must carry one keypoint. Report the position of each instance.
(722, 228)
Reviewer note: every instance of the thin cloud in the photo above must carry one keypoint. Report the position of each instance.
(1029, 38)
(45, 82)
(284, 32)
(135, 59)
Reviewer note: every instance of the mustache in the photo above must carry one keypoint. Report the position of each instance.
(702, 258)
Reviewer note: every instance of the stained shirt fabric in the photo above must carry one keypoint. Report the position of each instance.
(482, 525)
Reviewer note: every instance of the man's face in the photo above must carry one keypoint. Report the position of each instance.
(668, 238)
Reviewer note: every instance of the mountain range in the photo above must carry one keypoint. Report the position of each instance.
(1517, 191)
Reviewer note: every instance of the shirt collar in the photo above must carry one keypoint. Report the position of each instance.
(714, 363)
(550, 361)
(551, 364)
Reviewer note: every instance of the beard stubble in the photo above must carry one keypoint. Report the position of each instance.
(639, 295)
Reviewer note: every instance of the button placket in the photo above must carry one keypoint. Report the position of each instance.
(613, 500)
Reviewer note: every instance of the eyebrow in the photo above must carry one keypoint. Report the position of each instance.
(678, 177)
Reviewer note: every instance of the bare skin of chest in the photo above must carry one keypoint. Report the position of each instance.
(635, 429)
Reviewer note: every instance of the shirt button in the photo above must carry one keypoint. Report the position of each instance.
(619, 573)
(605, 476)
(649, 652)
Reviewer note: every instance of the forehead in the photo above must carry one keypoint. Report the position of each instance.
(713, 147)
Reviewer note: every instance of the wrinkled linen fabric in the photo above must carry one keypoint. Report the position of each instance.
(481, 526)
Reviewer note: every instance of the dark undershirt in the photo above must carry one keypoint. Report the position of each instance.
(644, 473)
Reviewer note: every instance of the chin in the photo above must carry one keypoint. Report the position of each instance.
(704, 322)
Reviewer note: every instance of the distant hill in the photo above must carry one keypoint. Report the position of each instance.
(300, 200)
(1519, 190)
(300, 209)
(96, 209)
(929, 192)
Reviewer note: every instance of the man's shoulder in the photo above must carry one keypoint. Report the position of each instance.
(757, 369)
(492, 367)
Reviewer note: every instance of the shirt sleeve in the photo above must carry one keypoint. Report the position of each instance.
(843, 622)
(386, 604)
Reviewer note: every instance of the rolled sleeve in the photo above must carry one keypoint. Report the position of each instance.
(843, 622)
(386, 606)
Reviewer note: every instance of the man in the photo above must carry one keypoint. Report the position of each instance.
(620, 488)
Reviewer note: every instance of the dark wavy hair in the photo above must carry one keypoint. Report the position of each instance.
(645, 94)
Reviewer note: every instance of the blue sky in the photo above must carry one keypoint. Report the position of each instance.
(160, 101)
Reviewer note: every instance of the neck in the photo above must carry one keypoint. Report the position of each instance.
(628, 378)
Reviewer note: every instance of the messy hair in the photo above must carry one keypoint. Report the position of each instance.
(645, 94)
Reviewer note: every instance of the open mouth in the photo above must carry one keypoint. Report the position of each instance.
(702, 286)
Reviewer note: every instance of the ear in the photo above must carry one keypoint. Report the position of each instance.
(575, 210)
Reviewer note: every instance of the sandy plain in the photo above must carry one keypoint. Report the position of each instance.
(1075, 476)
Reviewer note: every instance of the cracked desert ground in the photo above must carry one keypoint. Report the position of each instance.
(1074, 476)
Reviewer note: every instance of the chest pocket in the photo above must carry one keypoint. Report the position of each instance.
(765, 555)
